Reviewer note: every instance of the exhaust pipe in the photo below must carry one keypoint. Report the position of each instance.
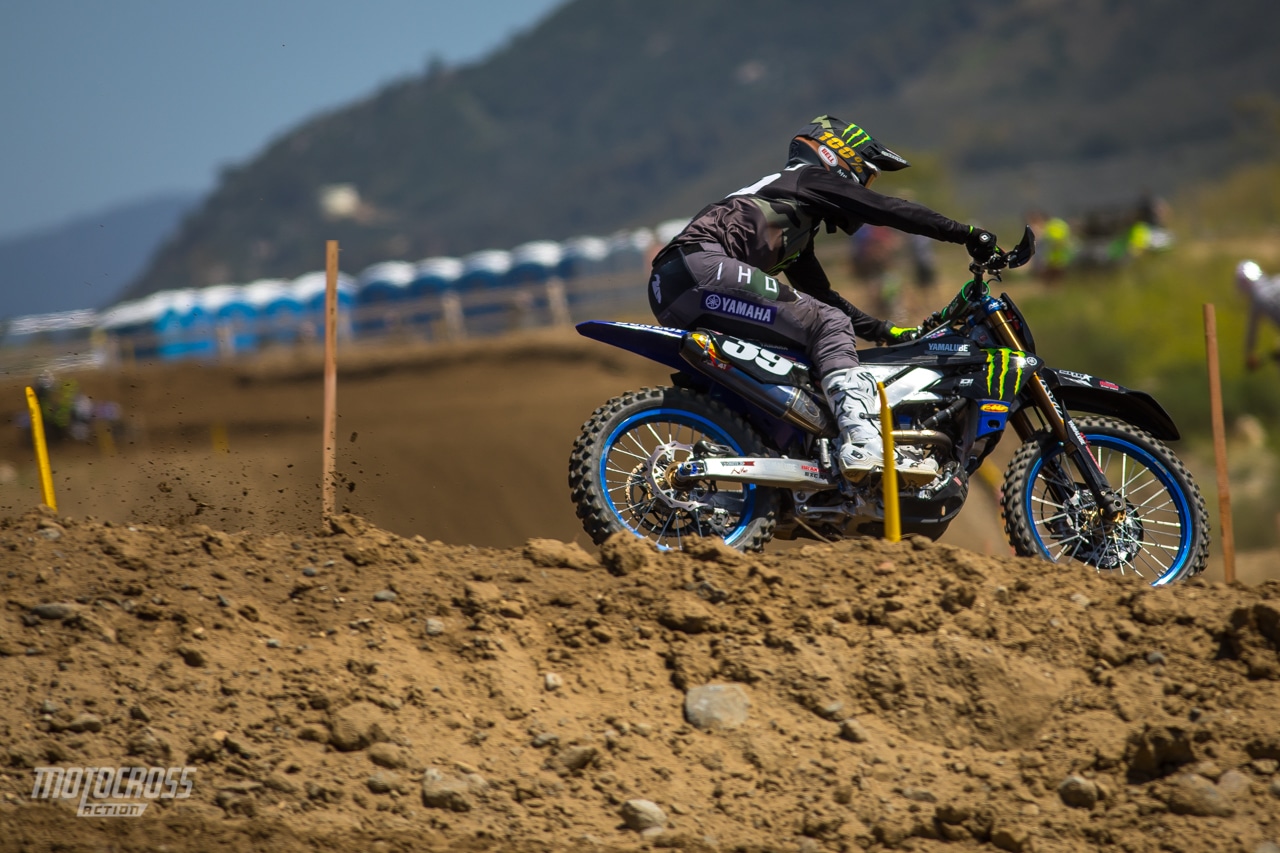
(785, 402)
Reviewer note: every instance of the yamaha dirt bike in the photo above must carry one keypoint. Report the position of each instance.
(742, 446)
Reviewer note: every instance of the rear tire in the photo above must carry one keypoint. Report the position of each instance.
(1165, 537)
(616, 472)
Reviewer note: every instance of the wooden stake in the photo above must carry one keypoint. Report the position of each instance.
(330, 380)
(1220, 444)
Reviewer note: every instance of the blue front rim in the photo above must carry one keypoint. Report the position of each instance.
(694, 424)
(1129, 487)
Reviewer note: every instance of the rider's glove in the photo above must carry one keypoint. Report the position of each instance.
(900, 335)
(981, 244)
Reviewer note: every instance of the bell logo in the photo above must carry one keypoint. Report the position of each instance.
(828, 156)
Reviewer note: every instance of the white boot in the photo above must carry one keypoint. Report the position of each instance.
(855, 402)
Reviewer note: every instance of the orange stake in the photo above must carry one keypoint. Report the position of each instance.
(1220, 444)
(330, 379)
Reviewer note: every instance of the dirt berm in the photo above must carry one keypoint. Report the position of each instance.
(358, 690)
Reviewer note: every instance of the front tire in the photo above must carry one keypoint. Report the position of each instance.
(1048, 512)
(617, 472)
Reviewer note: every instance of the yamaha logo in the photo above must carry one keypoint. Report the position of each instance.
(713, 302)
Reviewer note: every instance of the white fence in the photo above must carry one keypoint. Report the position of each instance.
(446, 316)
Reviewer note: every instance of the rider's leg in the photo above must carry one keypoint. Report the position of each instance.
(709, 289)
(855, 401)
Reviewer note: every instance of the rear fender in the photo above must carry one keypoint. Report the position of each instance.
(662, 345)
(656, 343)
(1081, 392)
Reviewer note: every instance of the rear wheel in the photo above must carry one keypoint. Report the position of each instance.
(1163, 536)
(619, 472)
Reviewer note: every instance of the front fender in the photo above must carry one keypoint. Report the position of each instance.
(1081, 392)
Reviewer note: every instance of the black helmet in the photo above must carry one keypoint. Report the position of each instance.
(845, 149)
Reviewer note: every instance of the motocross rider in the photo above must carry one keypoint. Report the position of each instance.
(719, 272)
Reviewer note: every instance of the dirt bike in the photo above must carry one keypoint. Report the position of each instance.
(741, 446)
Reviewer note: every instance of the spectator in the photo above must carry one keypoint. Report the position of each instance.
(1263, 293)
(1054, 248)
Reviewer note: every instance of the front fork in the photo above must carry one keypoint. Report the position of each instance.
(1064, 430)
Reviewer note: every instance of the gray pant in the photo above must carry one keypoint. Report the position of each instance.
(711, 290)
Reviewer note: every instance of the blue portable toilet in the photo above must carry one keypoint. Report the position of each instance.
(229, 309)
(133, 323)
(278, 312)
(433, 276)
(484, 270)
(384, 282)
(535, 263)
(630, 250)
(309, 291)
(583, 256)
(381, 291)
(183, 327)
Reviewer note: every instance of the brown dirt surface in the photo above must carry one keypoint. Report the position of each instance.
(466, 443)
(452, 665)
(357, 689)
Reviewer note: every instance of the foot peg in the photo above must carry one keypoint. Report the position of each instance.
(704, 449)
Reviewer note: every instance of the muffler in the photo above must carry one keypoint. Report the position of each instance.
(785, 402)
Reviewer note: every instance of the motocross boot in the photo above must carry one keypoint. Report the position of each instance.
(855, 402)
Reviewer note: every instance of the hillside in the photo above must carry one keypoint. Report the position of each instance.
(357, 690)
(611, 115)
(88, 261)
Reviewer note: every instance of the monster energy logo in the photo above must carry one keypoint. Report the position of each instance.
(998, 362)
(854, 134)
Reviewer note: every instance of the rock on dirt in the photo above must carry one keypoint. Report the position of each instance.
(864, 695)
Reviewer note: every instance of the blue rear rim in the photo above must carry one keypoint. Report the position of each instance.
(1168, 510)
(677, 425)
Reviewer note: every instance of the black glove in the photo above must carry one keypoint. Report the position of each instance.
(981, 244)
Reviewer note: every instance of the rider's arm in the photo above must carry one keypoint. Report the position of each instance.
(806, 275)
(845, 204)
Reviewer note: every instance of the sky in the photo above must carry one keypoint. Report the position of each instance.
(107, 102)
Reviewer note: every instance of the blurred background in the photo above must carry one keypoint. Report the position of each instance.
(171, 175)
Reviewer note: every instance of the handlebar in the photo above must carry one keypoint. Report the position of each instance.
(977, 289)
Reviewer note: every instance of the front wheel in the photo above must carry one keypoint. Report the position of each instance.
(1162, 537)
(621, 467)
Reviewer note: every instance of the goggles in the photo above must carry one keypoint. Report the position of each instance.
(869, 174)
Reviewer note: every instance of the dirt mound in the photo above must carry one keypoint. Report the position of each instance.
(361, 689)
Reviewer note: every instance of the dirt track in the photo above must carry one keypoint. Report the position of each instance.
(440, 681)
(466, 444)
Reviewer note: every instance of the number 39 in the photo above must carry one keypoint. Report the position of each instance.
(768, 361)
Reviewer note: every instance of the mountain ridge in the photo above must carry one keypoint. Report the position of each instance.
(604, 116)
(88, 260)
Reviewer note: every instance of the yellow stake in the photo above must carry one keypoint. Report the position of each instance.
(42, 450)
(106, 441)
(221, 441)
(892, 518)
